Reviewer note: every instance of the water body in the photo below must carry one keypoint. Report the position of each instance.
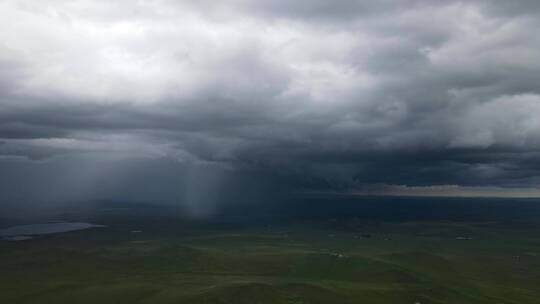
(25, 232)
(17, 238)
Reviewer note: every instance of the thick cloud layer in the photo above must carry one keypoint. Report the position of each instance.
(304, 95)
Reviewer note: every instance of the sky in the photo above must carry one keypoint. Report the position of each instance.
(200, 101)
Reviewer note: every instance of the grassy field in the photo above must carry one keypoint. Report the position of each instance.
(323, 261)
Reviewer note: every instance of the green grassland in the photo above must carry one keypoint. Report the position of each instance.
(304, 262)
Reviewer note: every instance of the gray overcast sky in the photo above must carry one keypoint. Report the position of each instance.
(100, 97)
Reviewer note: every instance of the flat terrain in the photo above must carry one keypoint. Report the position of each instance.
(348, 260)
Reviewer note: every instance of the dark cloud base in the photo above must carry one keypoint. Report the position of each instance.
(203, 102)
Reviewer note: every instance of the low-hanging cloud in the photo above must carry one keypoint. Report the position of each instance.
(314, 95)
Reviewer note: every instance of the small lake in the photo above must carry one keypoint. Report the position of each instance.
(25, 232)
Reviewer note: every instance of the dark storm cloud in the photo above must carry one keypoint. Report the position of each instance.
(307, 95)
